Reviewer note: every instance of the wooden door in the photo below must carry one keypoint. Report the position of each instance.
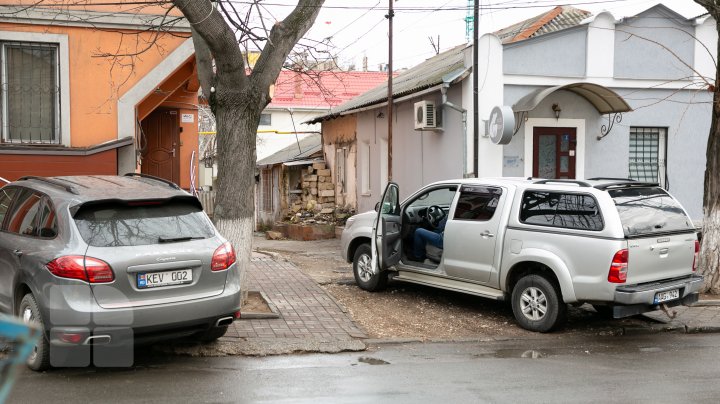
(554, 152)
(161, 155)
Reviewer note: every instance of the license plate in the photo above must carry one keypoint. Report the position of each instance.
(667, 295)
(165, 278)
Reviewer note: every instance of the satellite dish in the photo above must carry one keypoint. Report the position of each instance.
(501, 125)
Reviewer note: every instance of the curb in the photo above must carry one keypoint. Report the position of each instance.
(707, 303)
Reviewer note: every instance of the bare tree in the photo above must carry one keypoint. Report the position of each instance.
(237, 99)
(710, 250)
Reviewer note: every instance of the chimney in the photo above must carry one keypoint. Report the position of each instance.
(364, 63)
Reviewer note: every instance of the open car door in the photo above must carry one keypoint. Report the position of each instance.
(387, 241)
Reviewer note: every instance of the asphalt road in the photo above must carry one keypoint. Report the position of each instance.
(657, 368)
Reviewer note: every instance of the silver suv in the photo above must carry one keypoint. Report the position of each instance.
(623, 246)
(101, 263)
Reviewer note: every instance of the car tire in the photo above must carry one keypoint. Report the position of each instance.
(537, 304)
(29, 312)
(213, 334)
(362, 262)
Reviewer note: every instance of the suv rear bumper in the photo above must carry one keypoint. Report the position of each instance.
(645, 293)
(637, 299)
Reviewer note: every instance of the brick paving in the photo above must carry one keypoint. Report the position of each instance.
(306, 310)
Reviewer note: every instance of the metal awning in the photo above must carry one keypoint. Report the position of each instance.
(605, 100)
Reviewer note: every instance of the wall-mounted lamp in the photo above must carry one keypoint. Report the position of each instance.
(556, 109)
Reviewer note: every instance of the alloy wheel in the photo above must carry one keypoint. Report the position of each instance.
(533, 303)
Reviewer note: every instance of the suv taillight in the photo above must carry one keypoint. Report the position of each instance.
(619, 267)
(223, 257)
(86, 269)
(697, 254)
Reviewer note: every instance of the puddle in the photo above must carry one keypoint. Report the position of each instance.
(516, 353)
(372, 361)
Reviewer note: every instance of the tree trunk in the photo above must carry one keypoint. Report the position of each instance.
(237, 123)
(710, 249)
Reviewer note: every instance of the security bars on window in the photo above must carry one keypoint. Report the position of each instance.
(646, 161)
(30, 92)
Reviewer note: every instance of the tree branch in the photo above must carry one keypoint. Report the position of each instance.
(283, 37)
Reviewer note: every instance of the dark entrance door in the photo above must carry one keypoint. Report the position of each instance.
(161, 155)
(554, 152)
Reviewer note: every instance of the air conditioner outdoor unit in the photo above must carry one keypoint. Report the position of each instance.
(425, 117)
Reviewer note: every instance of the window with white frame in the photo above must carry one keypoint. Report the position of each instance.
(647, 154)
(30, 92)
(365, 167)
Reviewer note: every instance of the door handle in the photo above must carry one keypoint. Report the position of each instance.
(486, 234)
(17, 252)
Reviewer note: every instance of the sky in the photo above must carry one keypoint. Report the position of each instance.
(353, 29)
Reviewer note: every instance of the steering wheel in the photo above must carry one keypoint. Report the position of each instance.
(435, 214)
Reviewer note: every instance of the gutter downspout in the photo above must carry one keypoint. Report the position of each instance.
(463, 111)
(447, 80)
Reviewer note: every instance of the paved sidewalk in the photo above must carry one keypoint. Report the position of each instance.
(309, 319)
(704, 316)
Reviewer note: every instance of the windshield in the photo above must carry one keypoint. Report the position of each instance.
(115, 224)
(649, 211)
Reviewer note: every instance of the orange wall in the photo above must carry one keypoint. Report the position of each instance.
(96, 83)
(14, 166)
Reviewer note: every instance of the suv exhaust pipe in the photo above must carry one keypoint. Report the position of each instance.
(97, 340)
(223, 322)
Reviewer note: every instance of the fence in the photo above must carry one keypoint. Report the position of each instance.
(207, 198)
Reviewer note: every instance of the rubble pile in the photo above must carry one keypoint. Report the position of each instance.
(335, 216)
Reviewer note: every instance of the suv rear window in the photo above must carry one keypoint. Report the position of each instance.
(649, 211)
(115, 224)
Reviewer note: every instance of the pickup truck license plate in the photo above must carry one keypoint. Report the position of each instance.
(667, 296)
(165, 278)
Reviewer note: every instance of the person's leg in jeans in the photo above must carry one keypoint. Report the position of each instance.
(422, 237)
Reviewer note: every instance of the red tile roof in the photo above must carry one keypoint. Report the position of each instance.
(322, 90)
(557, 19)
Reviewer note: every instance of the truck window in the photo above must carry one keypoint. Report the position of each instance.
(477, 203)
(563, 210)
(649, 211)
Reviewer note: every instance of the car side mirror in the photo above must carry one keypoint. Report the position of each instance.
(48, 233)
(377, 207)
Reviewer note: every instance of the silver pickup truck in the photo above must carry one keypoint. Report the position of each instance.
(623, 246)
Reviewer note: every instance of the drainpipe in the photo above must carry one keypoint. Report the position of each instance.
(463, 111)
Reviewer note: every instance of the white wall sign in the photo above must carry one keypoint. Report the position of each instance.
(187, 118)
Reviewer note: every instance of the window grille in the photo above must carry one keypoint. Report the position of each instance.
(30, 92)
(647, 154)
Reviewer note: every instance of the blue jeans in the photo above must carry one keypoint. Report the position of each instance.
(423, 237)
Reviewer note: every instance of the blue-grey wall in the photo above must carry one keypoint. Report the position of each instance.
(685, 114)
(639, 55)
(561, 54)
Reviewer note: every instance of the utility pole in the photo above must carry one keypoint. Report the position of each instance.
(476, 115)
(390, 16)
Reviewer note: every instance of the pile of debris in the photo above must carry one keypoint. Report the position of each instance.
(337, 216)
